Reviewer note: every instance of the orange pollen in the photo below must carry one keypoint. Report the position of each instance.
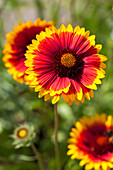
(111, 140)
(101, 140)
(22, 133)
(68, 60)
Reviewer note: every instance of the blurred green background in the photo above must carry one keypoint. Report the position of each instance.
(19, 103)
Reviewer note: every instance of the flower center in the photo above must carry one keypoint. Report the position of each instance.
(102, 140)
(68, 60)
(22, 133)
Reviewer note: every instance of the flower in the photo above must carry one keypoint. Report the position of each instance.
(15, 47)
(92, 142)
(23, 135)
(65, 62)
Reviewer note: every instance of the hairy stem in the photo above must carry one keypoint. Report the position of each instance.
(56, 140)
(37, 156)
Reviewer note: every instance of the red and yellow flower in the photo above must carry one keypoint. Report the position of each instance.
(65, 62)
(15, 48)
(92, 142)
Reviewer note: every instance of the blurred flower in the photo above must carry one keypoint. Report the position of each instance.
(65, 62)
(23, 135)
(92, 142)
(15, 47)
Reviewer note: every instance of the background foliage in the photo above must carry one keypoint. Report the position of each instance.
(19, 103)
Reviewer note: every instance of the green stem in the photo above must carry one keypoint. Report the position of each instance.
(56, 140)
(37, 156)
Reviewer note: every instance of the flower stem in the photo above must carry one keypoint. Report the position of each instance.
(37, 156)
(56, 140)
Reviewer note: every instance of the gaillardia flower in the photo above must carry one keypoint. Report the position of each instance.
(15, 48)
(65, 62)
(92, 142)
(23, 135)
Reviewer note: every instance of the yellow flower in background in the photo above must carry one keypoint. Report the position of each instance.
(92, 142)
(65, 62)
(15, 48)
(23, 135)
